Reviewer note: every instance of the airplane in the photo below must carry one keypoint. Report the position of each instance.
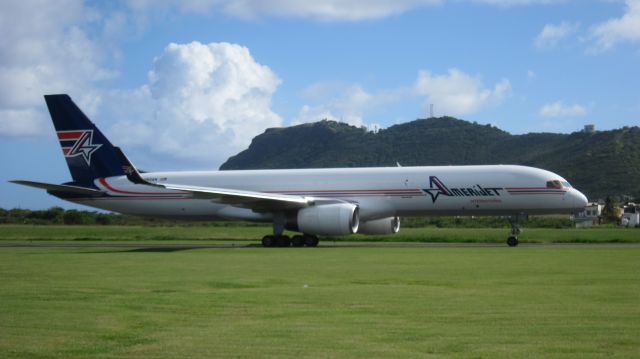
(312, 202)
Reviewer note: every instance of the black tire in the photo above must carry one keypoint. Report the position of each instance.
(268, 241)
(512, 241)
(297, 241)
(310, 240)
(283, 241)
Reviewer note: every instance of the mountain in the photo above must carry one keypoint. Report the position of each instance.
(599, 163)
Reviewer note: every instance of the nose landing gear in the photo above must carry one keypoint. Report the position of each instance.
(515, 222)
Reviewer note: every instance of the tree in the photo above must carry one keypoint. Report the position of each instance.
(73, 217)
(610, 212)
(102, 219)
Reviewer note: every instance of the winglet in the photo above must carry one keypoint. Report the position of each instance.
(129, 169)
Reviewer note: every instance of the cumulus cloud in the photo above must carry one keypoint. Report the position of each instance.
(614, 31)
(44, 48)
(559, 109)
(341, 102)
(457, 93)
(203, 101)
(551, 34)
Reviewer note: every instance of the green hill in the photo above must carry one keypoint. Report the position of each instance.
(600, 164)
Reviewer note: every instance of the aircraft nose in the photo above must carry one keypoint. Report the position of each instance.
(579, 200)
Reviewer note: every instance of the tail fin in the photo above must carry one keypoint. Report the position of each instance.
(88, 152)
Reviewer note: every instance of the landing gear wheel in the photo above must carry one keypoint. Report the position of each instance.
(515, 221)
(310, 240)
(268, 241)
(297, 241)
(283, 241)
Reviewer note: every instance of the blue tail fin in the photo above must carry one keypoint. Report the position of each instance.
(88, 152)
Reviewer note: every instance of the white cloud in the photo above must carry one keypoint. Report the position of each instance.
(23, 122)
(559, 109)
(45, 49)
(350, 10)
(551, 34)
(457, 93)
(531, 75)
(615, 31)
(323, 10)
(507, 3)
(341, 102)
(203, 101)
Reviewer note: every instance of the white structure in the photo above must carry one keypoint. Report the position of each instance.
(631, 215)
(590, 216)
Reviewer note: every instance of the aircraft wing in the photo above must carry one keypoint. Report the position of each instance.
(60, 188)
(250, 199)
(259, 201)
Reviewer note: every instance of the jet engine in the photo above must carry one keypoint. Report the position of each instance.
(329, 219)
(387, 225)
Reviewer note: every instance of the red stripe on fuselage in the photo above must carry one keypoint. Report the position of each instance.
(534, 193)
(346, 190)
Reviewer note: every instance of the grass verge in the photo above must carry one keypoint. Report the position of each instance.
(240, 233)
(326, 302)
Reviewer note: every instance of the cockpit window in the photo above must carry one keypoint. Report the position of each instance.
(554, 184)
(557, 184)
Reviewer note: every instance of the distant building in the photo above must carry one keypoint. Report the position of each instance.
(631, 215)
(589, 128)
(591, 216)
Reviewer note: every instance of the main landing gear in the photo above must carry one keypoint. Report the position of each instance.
(280, 240)
(515, 222)
(295, 241)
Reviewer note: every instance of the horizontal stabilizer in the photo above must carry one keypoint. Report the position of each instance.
(60, 188)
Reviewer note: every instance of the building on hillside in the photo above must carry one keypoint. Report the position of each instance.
(591, 216)
(631, 215)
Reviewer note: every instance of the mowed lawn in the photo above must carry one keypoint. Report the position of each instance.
(17, 233)
(487, 302)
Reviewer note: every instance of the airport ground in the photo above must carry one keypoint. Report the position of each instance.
(170, 292)
(253, 233)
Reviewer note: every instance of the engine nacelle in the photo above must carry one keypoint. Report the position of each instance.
(328, 219)
(387, 225)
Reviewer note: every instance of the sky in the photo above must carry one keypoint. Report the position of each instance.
(186, 84)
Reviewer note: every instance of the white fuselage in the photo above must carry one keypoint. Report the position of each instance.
(378, 192)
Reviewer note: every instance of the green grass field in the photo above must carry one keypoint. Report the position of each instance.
(332, 302)
(253, 233)
(490, 302)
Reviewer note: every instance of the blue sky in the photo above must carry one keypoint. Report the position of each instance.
(185, 84)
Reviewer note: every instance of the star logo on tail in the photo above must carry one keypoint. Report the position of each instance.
(78, 143)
